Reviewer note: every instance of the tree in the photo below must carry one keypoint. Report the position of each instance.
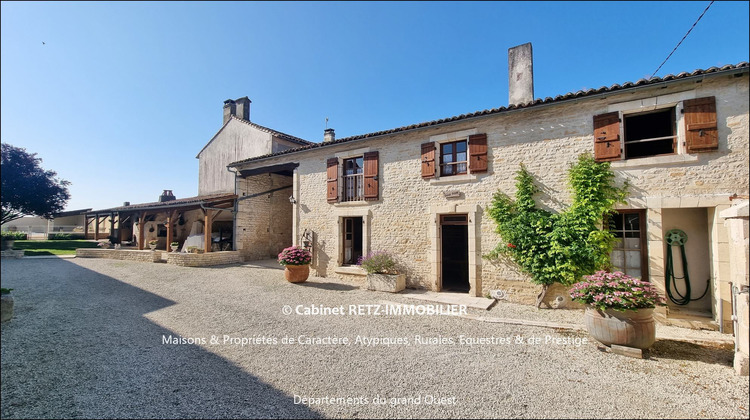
(27, 189)
(559, 247)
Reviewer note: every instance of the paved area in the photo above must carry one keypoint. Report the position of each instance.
(103, 339)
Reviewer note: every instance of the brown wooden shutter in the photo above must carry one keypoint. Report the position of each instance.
(607, 136)
(428, 160)
(371, 176)
(478, 153)
(701, 129)
(333, 180)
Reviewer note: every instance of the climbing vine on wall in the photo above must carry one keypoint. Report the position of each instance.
(559, 247)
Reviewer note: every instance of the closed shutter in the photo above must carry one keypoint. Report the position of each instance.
(371, 176)
(428, 160)
(607, 137)
(701, 129)
(478, 153)
(333, 180)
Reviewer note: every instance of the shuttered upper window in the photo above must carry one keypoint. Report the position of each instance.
(655, 132)
(457, 156)
(358, 180)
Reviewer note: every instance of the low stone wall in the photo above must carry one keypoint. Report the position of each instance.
(119, 254)
(203, 260)
(12, 253)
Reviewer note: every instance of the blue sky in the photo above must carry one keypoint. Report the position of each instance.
(122, 96)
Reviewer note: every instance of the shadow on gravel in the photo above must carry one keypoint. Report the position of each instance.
(329, 286)
(681, 350)
(79, 346)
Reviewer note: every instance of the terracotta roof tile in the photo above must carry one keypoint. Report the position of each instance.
(548, 100)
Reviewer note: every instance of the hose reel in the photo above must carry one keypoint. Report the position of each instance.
(677, 237)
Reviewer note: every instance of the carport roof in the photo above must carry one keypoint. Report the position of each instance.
(210, 200)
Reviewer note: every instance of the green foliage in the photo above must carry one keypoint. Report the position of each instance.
(559, 247)
(27, 189)
(61, 237)
(13, 236)
(378, 262)
(37, 248)
(4, 291)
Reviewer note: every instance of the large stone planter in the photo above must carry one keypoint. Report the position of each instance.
(633, 328)
(393, 283)
(6, 307)
(296, 273)
(7, 244)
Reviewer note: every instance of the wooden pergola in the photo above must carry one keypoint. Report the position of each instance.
(210, 205)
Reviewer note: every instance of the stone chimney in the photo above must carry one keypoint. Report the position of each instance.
(125, 204)
(329, 135)
(240, 108)
(520, 75)
(167, 196)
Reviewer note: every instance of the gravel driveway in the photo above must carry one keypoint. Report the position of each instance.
(103, 338)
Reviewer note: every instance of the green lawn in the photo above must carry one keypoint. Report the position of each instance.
(34, 248)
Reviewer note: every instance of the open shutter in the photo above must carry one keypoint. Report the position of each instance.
(607, 136)
(701, 130)
(333, 180)
(428, 160)
(478, 153)
(371, 176)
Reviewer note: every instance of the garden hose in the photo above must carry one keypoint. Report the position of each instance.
(677, 237)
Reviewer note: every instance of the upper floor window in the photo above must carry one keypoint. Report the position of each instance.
(650, 134)
(353, 179)
(453, 158)
(629, 134)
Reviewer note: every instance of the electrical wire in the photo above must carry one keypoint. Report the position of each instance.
(683, 38)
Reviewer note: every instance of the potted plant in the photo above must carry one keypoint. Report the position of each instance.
(296, 261)
(6, 304)
(619, 308)
(192, 249)
(382, 274)
(174, 246)
(152, 244)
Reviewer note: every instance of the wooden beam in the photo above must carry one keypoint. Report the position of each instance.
(170, 220)
(208, 219)
(85, 227)
(142, 230)
(96, 229)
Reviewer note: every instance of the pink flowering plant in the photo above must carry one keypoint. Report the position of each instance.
(295, 255)
(604, 290)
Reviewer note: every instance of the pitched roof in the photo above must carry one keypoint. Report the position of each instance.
(180, 202)
(743, 66)
(271, 131)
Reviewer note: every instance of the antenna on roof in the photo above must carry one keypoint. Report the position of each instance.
(326, 122)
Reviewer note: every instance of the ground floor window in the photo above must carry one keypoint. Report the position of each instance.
(352, 234)
(629, 254)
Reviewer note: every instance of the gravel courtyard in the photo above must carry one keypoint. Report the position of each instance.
(97, 338)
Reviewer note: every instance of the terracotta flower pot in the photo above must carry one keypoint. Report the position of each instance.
(296, 273)
(632, 328)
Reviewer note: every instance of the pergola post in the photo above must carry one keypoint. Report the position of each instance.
(96, 228)
(170, 219)
(208, 218)
(85, 227)
(112, 228)
(142, 230)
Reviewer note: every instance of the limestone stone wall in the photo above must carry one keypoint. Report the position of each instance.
(263, 224)
(119, 254)
(203, 260)
(547, 139)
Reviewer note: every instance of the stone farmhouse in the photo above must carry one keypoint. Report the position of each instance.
(422, 191)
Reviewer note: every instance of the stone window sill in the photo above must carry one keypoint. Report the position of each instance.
(454, 179)
(354, 203)
(351, 270)
(654, 161)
